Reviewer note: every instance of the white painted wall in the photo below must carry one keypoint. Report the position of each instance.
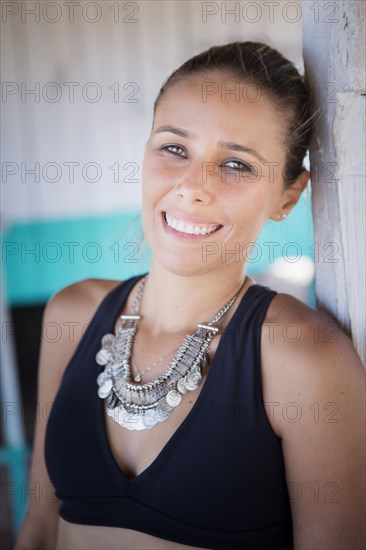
(145, 52)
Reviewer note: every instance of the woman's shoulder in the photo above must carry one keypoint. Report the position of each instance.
(310, 367)
(82, 297)
(68, 312)
(286, 311)
(306, 350)
(292, 329)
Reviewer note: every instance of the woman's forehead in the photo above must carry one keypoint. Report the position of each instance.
(218, 84)
(183, 106)
(216, 91)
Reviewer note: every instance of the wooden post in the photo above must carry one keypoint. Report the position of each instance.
(334, 57)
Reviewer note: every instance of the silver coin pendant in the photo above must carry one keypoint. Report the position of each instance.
(105, 388)
(173, 398)
(181, 387)
(107, 341)
(103, 357)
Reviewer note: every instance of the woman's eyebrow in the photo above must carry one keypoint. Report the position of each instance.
(241, 148)
(224, 144)
(173, 130)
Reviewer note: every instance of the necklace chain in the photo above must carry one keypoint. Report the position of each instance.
(140, 407)
(138, 376)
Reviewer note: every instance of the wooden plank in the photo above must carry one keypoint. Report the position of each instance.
(335, 67)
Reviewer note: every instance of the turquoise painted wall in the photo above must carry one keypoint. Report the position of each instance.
(39, 258)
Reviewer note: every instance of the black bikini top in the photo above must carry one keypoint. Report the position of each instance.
(218, 483)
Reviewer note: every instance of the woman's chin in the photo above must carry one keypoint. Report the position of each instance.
(181, 264)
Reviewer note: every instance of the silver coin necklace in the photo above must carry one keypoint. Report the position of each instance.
(141, 407)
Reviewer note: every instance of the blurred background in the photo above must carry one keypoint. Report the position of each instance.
(79, 80)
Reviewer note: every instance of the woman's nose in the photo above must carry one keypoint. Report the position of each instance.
(195, 183)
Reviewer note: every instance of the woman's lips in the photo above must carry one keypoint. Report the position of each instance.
(184, 224)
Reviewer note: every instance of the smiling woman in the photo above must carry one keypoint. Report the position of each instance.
(209, 170)
(201, 409)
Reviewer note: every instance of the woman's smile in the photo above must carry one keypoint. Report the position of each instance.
(186, 227)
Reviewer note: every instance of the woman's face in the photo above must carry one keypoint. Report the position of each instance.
(205, 199)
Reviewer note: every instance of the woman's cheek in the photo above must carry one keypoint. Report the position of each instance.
(160, 174)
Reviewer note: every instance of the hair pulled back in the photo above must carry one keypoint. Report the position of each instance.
(260, 65)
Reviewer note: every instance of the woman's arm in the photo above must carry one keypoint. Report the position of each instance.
(71, 308)
(316, 383)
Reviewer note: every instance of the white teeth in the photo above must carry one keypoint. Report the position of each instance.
(191, 229)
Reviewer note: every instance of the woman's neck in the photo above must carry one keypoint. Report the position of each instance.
(173, 303)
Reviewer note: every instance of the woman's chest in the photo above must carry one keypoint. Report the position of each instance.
(135, 450)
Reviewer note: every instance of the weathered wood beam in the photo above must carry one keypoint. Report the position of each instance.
(334, 57)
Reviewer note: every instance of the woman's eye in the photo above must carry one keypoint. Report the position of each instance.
(173, 149)
(239, 166)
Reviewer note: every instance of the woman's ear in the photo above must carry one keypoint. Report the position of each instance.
(291, 195)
